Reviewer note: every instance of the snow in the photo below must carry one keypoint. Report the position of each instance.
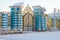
(32, 36)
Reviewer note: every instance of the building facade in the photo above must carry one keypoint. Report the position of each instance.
(55, 21)
(4, 22)
(40, 20)
(28, 19)
(1, 19)
(16, 17)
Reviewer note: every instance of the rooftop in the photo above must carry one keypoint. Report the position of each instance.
(17, 4)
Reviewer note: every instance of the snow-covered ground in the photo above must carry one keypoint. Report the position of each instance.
(33, 36)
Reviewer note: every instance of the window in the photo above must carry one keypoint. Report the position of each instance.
(41, 12)
(36, 13)
(15, 17)
(20, 27)
(19, 23)
(20, 13)
(12, 8)
(4, 18)
(15, 24)
(4, 26)
(4, 21)
(39, 28)
(20, 19)
(4, 15)
(15, 21)
(18, 8)
(44, 28)
(15, 14)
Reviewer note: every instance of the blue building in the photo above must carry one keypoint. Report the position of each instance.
(40, 20)
(4, 22)
(55, 17)
(16, 17)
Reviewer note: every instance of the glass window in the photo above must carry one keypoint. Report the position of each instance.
(4, 21)
(15, 24)
(4, 18)
(4, 26)
(20, 25)
(18, 8)
(20, 19)
(41, 12)
(15, 21)
(15, 14)
(20, 13)
(4, 15)
(19, 22)
(12, 8)
(15, 17)
(44, 28)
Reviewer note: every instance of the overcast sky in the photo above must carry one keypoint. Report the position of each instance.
(48, 4)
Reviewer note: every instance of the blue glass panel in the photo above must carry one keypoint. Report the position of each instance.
(12, 8)
(4, 23)
(18, 8)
